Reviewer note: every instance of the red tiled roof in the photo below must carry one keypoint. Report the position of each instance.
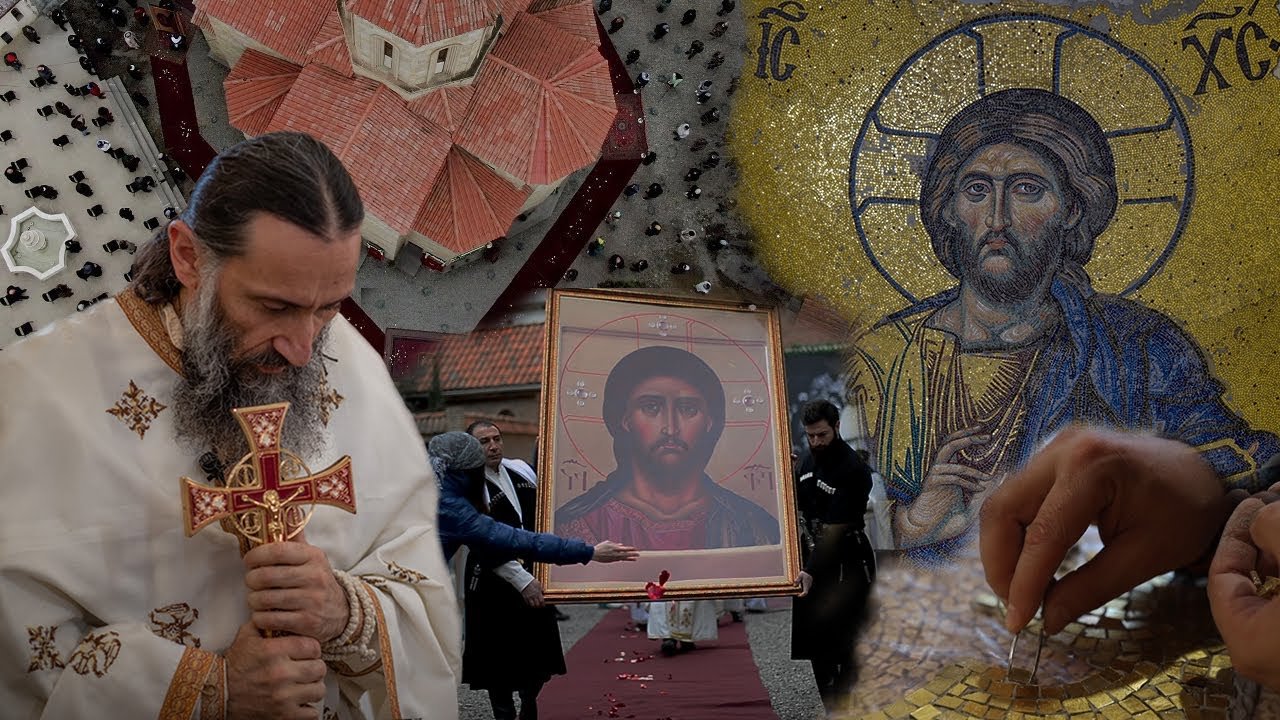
(446, 107)
(329, 48)
(482, 359)
(538, 6)
(576, 18)
(509, 8)
(469, 204)
(539, 109)
(286, 27)
(434, 423)
(255, 89)
(422, 22)
(543, 103)
(393, 154)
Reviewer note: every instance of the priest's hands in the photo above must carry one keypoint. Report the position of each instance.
(1156, 502)
(275, 678)
(292, 590)
(609, 551)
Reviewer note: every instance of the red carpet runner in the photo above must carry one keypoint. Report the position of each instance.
(617, 673)
(178, 116)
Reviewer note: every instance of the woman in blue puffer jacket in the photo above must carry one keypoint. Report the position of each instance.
(458, 461)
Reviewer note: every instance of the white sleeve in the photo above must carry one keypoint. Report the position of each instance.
(515, 574)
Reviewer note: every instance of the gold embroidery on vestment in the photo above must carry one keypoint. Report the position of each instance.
(188, 681)
(44, 652)
(329, 399)
(171, 622)
(385, 657)
(404, 574)
(213, 695)
(137, 409)
(95, 653)
(148, 320)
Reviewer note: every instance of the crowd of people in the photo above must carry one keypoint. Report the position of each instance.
(652, 65)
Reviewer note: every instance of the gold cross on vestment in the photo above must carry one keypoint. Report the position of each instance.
(270, 494)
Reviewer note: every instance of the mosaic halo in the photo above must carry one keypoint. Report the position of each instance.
(1139, 115)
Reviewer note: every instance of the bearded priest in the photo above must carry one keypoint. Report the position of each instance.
(106, 607)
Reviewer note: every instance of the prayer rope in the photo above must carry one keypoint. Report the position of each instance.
(362, 621)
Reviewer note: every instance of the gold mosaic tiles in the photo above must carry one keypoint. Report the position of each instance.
(938, 649)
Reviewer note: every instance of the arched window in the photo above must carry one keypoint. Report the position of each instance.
(442, 58)
(388, 54)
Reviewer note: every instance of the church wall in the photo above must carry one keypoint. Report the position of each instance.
(227, 44)
(412, 68)
(443, 253)
(375, 231)
(523, 408)
(463, 51)
(539, 194)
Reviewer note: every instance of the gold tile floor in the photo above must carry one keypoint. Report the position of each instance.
(937, 648)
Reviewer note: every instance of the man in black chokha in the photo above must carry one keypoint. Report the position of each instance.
(832, 485)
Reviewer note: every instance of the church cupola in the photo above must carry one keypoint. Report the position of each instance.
(416, 45)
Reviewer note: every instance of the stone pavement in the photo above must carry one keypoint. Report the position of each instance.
(731, 269)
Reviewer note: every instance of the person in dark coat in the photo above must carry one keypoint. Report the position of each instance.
(512, 638)
(832, 486)
(458, 462)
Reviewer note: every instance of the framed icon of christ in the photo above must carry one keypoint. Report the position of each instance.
(664, 427)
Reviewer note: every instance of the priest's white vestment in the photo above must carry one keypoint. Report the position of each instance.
(109, 610)
(688, 620)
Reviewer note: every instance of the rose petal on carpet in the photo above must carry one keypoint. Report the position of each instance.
(618, 672)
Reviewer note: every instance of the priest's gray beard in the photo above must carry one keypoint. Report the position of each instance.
(213, 383)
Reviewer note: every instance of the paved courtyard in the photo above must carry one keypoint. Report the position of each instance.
(50, 165)
(730, 267)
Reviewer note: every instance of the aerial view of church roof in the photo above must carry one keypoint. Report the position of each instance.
(454, 116)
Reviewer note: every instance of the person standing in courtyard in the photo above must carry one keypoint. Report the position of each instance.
(832, 486)
(512, 638)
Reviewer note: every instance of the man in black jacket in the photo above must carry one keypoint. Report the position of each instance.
(839, 566)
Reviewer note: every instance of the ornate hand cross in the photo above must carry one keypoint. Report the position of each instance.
(270, 494)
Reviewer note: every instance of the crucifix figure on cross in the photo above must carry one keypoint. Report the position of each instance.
(270, 494)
